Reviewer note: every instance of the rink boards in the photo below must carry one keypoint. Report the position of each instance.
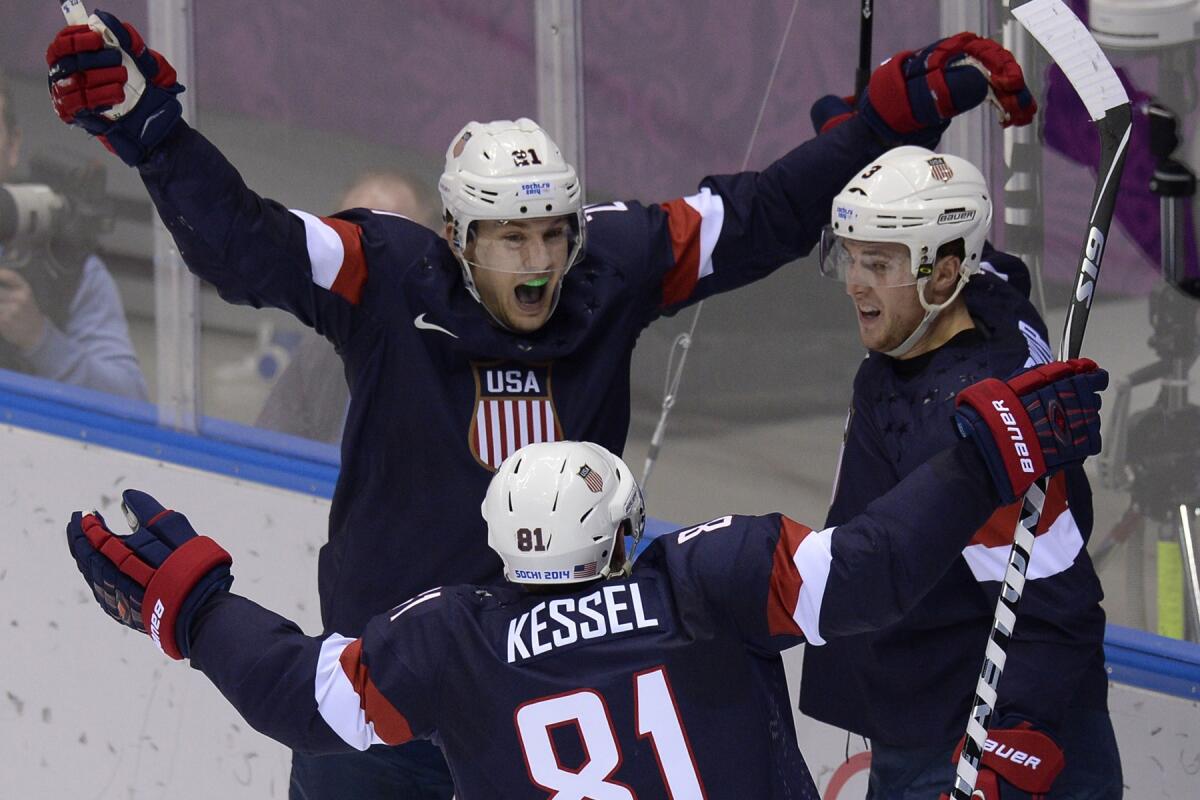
(92, 710)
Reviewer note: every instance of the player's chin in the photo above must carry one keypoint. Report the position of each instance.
(875, 339)
(527, 320)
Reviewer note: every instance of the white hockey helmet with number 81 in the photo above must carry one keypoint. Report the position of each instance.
(506, 171)
(555, 512)
(913, 197)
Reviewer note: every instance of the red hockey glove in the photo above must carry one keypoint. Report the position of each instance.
(154, 579)
(104, 79)
(912, 96)
(1017, 762)
(1038, 422)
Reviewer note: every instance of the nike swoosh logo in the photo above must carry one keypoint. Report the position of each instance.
(151, 118)
(429, 326)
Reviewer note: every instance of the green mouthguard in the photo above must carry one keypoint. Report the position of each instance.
(537, 283)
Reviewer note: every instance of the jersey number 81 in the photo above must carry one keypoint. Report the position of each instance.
(657, 718)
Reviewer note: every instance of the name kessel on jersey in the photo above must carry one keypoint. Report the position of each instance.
(564, 622)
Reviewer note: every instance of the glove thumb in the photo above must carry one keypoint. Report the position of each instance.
(140, 508)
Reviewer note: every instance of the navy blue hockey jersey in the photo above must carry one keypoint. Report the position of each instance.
(667, 683)
(911, 684)
(439, 394)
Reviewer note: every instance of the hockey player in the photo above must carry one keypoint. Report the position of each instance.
(501, 330)
(939, 310)
(587, 680)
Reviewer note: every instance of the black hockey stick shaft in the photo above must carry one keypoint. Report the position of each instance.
(866, 17)
(1114, 129)
(1114, 139)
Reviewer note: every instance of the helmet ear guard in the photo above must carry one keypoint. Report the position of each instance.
(554, 511)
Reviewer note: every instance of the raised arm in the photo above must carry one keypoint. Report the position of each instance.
(738, 228)
(252, 249)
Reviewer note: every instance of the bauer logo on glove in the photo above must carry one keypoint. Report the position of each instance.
(153, 579)
(1036, 423)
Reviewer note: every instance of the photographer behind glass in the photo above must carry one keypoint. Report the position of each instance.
(60, 315)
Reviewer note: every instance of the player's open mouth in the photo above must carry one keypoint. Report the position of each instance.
(530, 294)
(867, 313)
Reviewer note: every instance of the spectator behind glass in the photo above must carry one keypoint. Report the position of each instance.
(307, 400)
(60, 321)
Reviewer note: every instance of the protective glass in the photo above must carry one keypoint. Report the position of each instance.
(537, 247)
(875, 264)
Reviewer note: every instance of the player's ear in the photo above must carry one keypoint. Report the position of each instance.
(944, 278)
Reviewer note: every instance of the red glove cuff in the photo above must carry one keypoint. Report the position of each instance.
(888, 93)
(1016, 440)
(171, 584)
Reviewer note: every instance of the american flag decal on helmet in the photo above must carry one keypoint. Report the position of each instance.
(591, 478)
(513, 408)
(584, 570)
(940, 169)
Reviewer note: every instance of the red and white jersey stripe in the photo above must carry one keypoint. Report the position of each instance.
(798, 576)
(349, 701)
(695, 223)
(335, 254)
(1055, 549)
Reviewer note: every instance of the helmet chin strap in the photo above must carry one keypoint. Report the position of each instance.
(931, 312)
(612, 571)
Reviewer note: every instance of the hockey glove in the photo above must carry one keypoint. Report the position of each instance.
(104, 79)
(1040, 421)
(912, 96)
(1017, 762)
(154, 579)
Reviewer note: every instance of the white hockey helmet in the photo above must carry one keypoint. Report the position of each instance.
(917, 198)
(507, 170)
(554, 511)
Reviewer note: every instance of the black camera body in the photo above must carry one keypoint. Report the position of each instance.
(60, 201)
(49, 226)
(1172, 181)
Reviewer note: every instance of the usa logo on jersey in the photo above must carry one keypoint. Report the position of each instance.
(513, 408)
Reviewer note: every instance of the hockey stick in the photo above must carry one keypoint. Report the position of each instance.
(863, 73)
(1072, 47)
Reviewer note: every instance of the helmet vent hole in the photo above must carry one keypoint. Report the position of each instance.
(510, 508)
(524, 210)
(517, 468)
(585, 516)
(554, 507)
(598, 538)
(549, 207)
